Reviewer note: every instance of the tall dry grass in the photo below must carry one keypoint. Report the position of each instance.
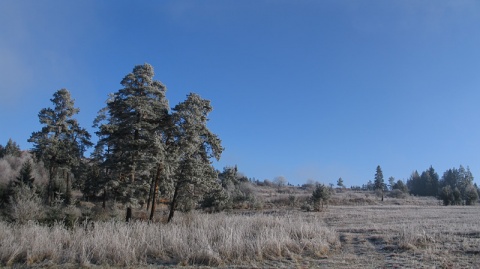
(198, 239)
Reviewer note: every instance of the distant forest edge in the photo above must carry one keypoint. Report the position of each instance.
(149, 154)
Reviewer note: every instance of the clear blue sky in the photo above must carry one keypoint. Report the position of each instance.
(303, 89)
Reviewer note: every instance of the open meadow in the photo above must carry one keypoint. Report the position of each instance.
(370, 234)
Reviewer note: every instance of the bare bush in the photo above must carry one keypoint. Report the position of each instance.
(6, 172)
(10, 168)
(396, 193)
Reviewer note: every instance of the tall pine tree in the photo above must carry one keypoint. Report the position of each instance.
(130, 130)
(61, 142)
(196, 145)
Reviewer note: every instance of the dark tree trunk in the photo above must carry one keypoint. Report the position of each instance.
(129, 214)
(50, 186)
(68, 191)
(150, 192)
(155, 193)
(104, 203)
(173, 204)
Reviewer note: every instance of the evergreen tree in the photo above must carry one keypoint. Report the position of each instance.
(446, 195)
(131, 135)
(425, 184)
(320, 196)
(340, 183)
(228, 178)
(12, 149)
(456, 187)
(430, 182)
(471, 195)
(399, 185)
(379, 183)
(414, 183)
(391, 182)
(61, 142)
(195, 145)
(25, 176)
(234, 190)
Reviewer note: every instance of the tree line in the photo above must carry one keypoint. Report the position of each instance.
(145, 149)
(455, 187)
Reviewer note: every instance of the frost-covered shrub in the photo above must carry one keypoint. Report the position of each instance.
(25, 205)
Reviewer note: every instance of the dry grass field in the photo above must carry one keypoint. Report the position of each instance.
(356, 231)
(404, 237)
(192, 239)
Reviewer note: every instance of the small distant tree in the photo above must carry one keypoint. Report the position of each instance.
(369, 186)
(477, 188)
(280, 181)
(471, 195)
(391, 182)
(12, 149)
(399, 185)
(320, 196)
(309, 185)
(446, 195)
(379, 183)
(340, 183)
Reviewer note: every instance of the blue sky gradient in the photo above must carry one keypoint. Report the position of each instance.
(301, 89)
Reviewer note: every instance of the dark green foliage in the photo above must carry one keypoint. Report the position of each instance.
(425, 184)
(399, 185)
(61, 142)
(228, 178)
(11, 148)
(320, 196)
(456, 187)
(92, 183)
(471, 195)
(477, 188)
(379, 184)
(446, 195)
(25, 177)
(131, 132)
(193, 174)
(340, 183)
(216, 199)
